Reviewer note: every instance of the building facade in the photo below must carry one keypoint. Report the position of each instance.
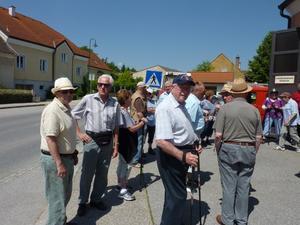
(40, 55)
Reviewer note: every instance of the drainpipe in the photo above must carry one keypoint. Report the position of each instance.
(285, 16)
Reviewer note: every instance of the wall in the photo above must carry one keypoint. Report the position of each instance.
(7, 71)
(63, 69)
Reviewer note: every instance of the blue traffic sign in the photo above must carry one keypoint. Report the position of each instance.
(153, 79)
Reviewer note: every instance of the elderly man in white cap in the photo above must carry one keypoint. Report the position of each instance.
(101, 114)
(58, 153)
(138, 110)
(151, 106)
(238, 137)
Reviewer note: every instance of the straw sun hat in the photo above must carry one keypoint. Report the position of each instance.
(239, 86)
(62, 83)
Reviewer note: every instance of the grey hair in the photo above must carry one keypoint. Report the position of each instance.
(111, 80)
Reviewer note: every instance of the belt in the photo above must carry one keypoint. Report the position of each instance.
(97, 134)
(185, 147)
(44, 152)
(240, 143)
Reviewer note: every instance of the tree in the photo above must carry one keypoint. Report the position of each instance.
(205, 66)
(259, 66)
(126, 81)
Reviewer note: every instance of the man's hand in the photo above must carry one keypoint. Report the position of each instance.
(61, 170)
(84, 137)
(115, 151)
(191, 159)
(199, 149)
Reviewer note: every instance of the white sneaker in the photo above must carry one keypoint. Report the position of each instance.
(127, 196)
(298, 150)
(279, 148)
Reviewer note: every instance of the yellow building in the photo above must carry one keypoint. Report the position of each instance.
(222, 64)
(41, 55)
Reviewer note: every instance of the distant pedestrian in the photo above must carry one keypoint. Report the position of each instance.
(128, 141)
(101, 114)
(273, 114)
(58, 150)
(290, 120)
(194, 109)
(138, 110)
(151, 106)
(296, 97)
(238, 137)
(175, 138)
(226, 95)
(167, 89)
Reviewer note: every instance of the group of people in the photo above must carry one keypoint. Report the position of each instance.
(116, 127)
(281, 120)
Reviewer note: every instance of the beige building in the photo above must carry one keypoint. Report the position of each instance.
(40, 55)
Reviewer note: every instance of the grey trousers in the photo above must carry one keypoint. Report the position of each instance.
(95, 164)
(236, 164)
(58, 190)
(293, 134)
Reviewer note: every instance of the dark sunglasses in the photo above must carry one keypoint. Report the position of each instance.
(103, 84)
(67, 91)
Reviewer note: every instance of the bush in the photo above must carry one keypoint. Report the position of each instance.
(15, 96)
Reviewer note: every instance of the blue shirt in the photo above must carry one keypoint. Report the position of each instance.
(162, 97)
(150, 116)
(290, 108)
(194, 109)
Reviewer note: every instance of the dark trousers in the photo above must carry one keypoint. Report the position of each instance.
(150, 132)
(173, 175)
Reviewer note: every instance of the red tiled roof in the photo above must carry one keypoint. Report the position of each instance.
(96, 62)
(213, 77)
(27, 29)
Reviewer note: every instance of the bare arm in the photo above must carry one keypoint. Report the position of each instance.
(82, 136)
(218, 141)
(138, 125)
(116, 143)
(53, 149)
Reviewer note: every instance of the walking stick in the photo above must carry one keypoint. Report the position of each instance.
(199, 189)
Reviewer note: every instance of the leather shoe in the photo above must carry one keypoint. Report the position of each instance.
(81, 210)
(219, 220)
(98, 205)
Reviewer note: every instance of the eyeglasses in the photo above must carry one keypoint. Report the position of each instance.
(103, 84)
(67, 91)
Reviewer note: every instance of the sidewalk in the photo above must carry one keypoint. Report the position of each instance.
(274, 199)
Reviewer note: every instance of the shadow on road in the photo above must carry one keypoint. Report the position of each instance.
(193, 214)
(297, 174)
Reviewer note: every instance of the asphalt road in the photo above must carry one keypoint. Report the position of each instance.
(21, 181)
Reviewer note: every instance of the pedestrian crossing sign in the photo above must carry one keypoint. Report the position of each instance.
(153, 78)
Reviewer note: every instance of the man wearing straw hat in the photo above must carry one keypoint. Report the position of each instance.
(58, 153)
(237, 142)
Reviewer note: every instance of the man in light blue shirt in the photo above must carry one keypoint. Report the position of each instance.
(290, 121)
(194, 109)
(168, 87)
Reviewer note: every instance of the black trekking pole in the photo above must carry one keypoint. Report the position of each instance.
(199, 181)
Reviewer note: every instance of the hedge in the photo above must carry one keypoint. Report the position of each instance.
(15, 96)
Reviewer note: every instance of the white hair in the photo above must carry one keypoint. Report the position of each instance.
(111, 80)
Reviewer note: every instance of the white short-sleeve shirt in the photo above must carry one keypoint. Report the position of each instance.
(173, 123)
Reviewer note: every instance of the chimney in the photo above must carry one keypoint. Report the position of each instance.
(12, 11)
(237, 62)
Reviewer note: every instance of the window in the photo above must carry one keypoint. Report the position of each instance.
(21, 62)
(43, 65)
(78, 70)
(64, 57)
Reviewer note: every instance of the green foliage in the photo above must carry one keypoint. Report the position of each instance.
(126, 81)
(15, 96)
(259, 66)
(205, 66)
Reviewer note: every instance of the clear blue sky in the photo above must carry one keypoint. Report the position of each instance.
(175, 33)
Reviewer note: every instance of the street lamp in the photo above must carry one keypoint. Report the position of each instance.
(91, 76)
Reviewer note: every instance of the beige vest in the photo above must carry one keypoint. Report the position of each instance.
(133, 111)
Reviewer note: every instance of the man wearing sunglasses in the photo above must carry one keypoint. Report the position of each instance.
(58, 154)
(101, 114)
